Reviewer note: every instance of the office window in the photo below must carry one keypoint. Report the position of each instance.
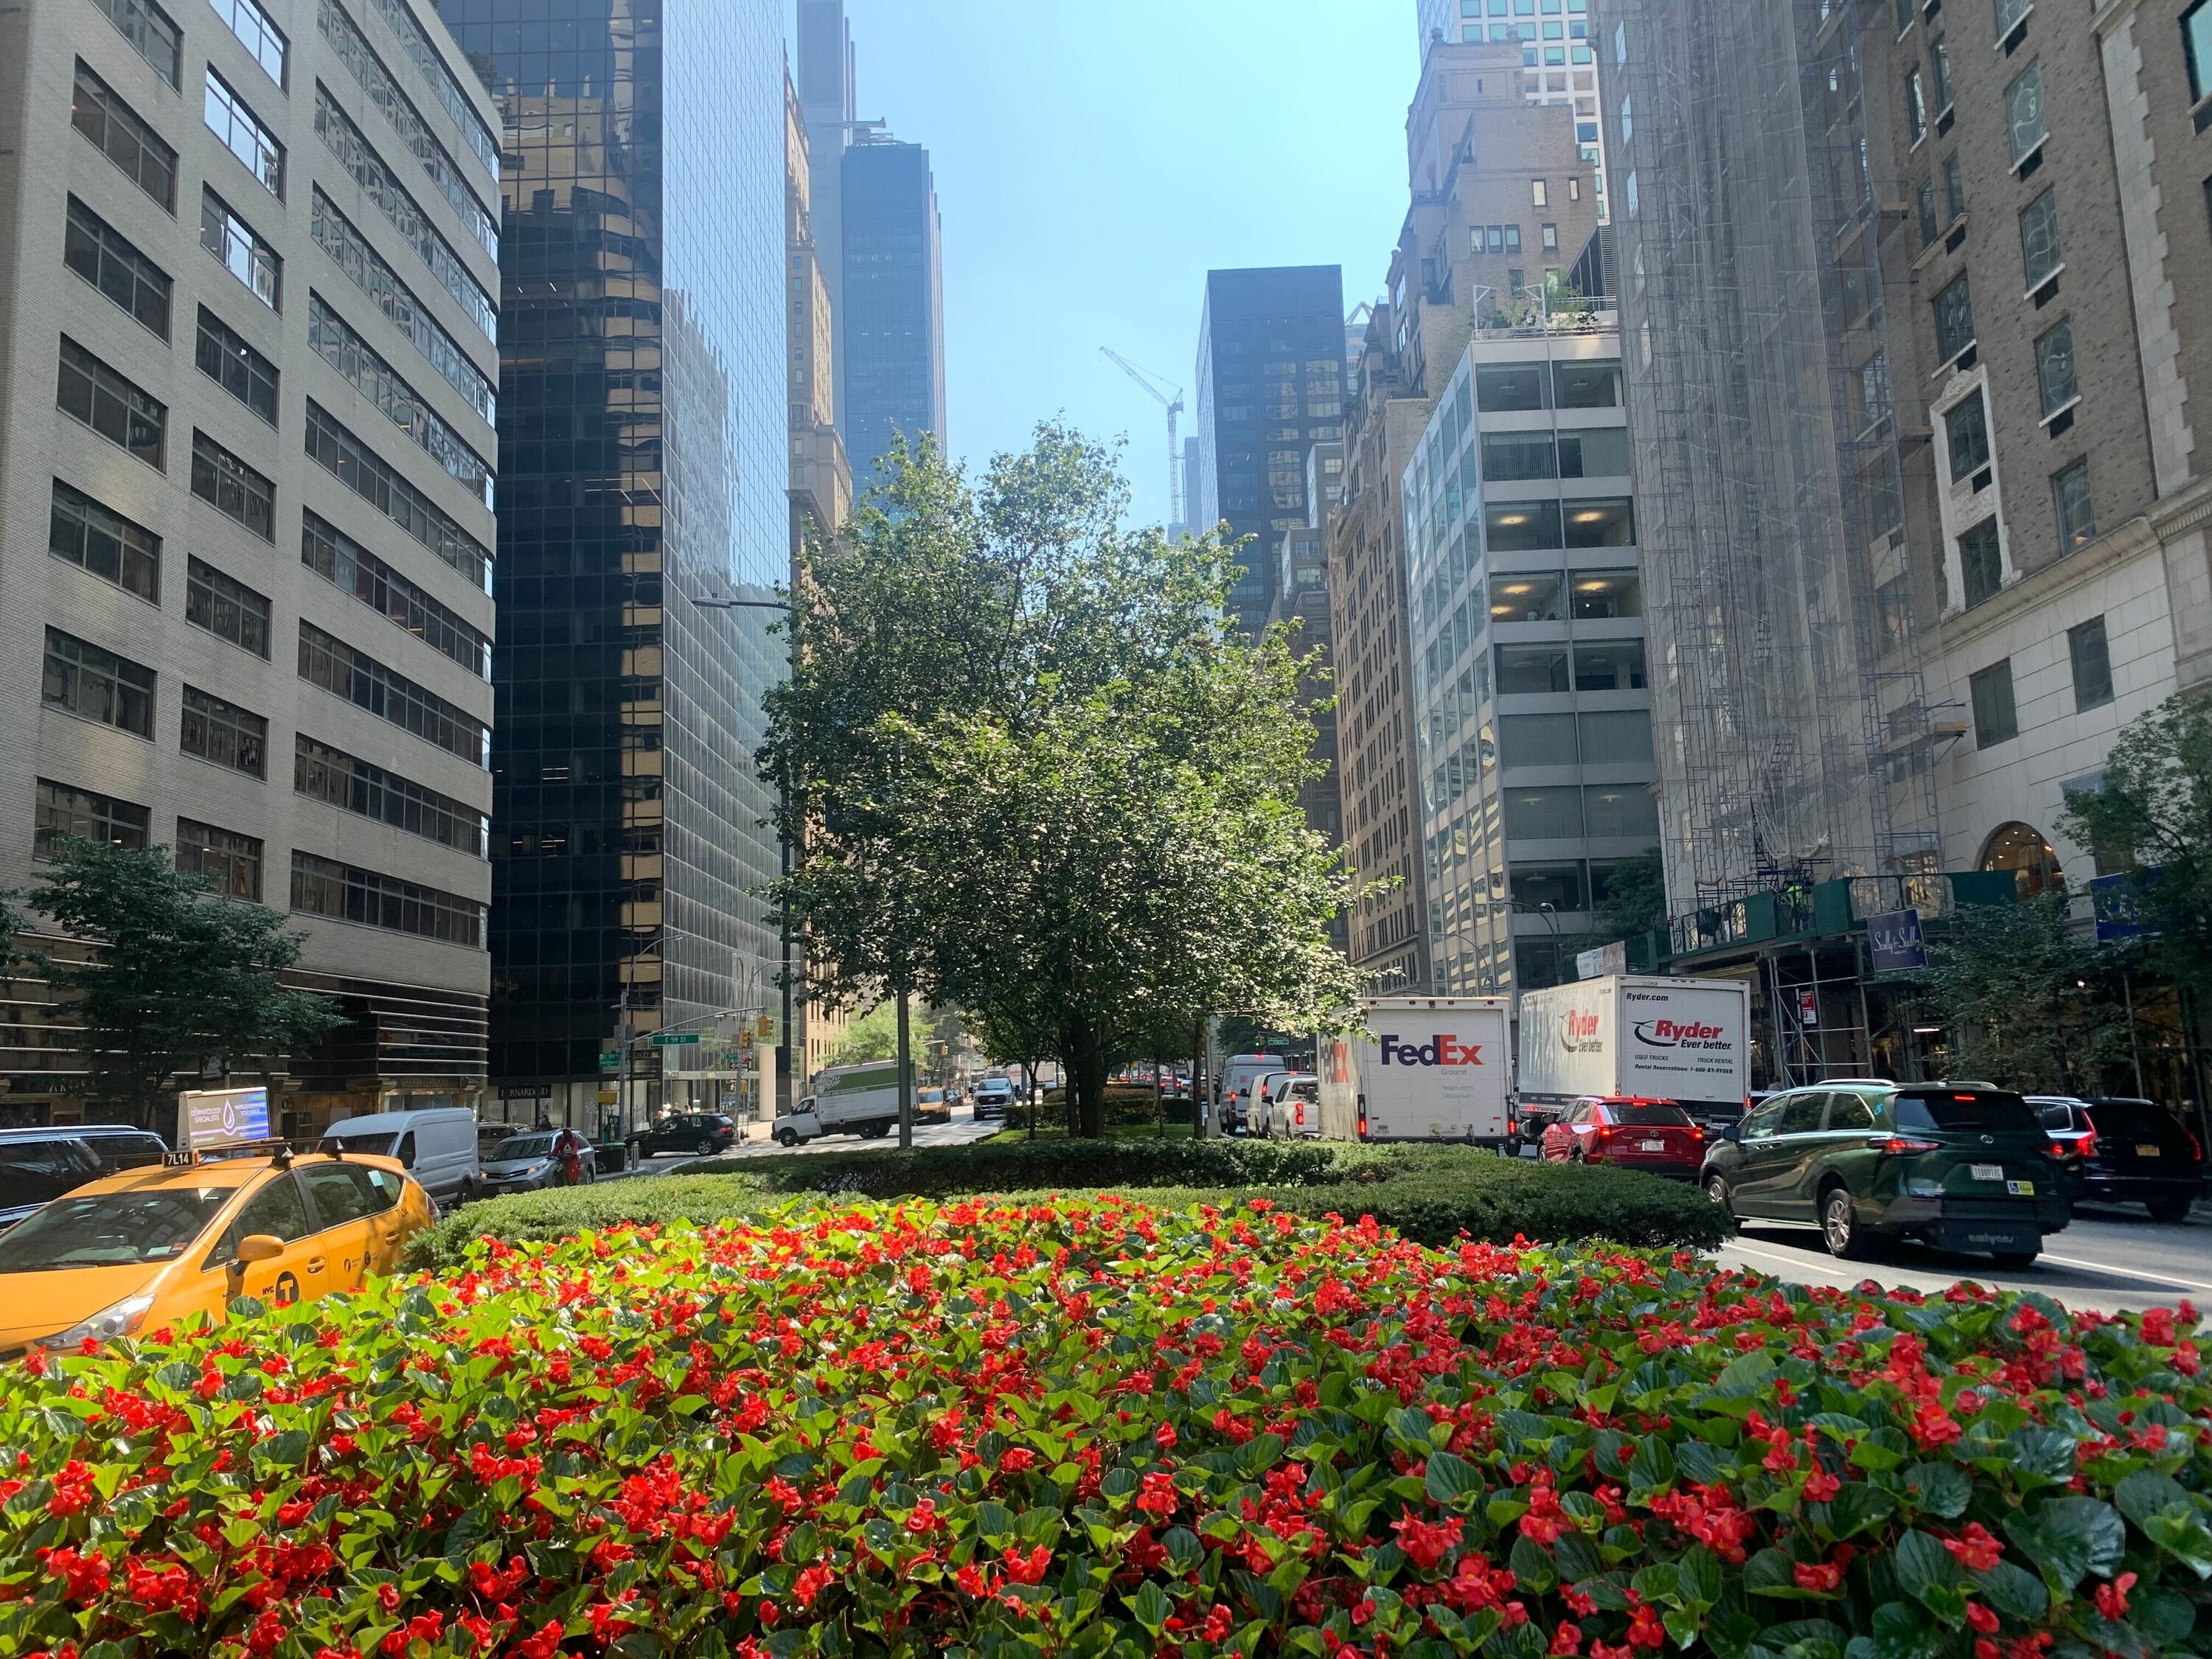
(233, 121)
(2092, 658)
(1609, 665)
(1513, 246)
(1521, 527)
(1939, 66)
(79, 813)
(1954, 189)
(1967, 430)
(2054, 369)
(1608, 522)
(1536, 740)
(1597, 453)
(224, 357)
(341, 561)
(1526, 668)
(1591, 383)
(1620, 737)
(1954, 320)
(336, 234)
(232, 488)
(1550, 239)
(322, 887)
(1552, 814)
(108, 260)
(95, 683)
(1925, 201)
(331, 664)
(230, 860)
(240, 251)
(223, 733)
(1575, 186)
(2071, 505)
(366, 474)
(337, 343)
(1981, 561)
(1512, 457)
(91, 392)
(152, 31)
(1915, 105)
(1509, 387)
(103, 543)
(337, 779)
(1996, 719)
(420, 53)
(226, 608)
(1893, 605)
(2024, 113)
(2009, 12)
(1540, 192)
(2196, 47)
(257, 31)
(1907, 11)
(113, 128)
(1524, 596)
(1601, 595)
(1542, 887)
(1620, 809)
(2040, 254)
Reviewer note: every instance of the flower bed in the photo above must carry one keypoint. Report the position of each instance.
(1094, 1429)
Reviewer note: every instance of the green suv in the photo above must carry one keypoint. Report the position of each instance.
(1963, 1166)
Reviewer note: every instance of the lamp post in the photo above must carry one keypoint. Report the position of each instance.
(1549, 913)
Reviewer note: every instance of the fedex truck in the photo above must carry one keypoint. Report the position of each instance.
(1683, 1039)
(1425, 1068)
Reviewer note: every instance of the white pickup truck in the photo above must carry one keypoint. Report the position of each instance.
(848, 1100)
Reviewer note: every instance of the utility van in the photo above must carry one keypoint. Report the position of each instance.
(1425, 1068)
(846, 1100)
(436, 1145)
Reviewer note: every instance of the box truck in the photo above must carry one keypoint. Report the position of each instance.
(1425, 1068)
(1683, 1039)
(846, 1100)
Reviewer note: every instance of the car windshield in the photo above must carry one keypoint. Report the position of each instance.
(517, 1147)
(373, 1145)
(109, 1229)
(1648, 1116)
(1958, 1112)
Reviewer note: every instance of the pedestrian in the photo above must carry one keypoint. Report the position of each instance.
(569, 1151)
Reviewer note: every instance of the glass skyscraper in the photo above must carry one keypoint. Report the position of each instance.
(892, 326)
(643, 442)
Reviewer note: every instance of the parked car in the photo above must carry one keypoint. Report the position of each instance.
(1964, 1168)
(117, 1145)
(528, 1162)
(37, 1166)
(435, 1145)
(932, 1106)
(994, 1098)
(1655, 1136)
(2124, 1150)
(149, 1247)
(703, 1134)
(1293, 1107)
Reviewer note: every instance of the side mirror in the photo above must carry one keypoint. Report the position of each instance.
(257, 1247)
(1732, 1131)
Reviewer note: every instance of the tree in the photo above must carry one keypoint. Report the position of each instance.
(2028, 1004)
(2153, 813)
(874, 1036)
(1634, 900)
(176, 975)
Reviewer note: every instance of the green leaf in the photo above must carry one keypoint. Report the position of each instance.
(2014, 1592)
(1152, 1606)
(1699, 1575)
(1533, 1565)
(1450, 1478)
(2044, 1455)
(1183, 1548)
(1856, 1506)
(2164, 1616)
(1653, 1464)
(1943, 1490)
(2069, 1538)
(1904, 1632)
(1772, 1573)
(1924, 1568)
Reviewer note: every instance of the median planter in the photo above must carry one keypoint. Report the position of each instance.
(1089, 1428)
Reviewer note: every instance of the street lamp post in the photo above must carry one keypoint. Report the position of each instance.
(1549, 913)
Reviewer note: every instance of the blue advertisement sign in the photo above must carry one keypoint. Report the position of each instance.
(1898, 944)
(2117, 902)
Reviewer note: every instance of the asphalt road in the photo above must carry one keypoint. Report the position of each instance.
(960, 1132)
(2113, 1258)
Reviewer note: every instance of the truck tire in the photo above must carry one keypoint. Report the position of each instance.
(787, 1138)
(875, 1130)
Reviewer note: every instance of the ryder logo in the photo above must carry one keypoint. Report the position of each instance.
(1680, 1034)
(1581, 1032)
(1437, 1051)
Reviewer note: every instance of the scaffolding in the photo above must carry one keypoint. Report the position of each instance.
(1789, 720)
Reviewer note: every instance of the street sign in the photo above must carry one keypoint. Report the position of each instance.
(1896, 941)
(674, 1039)
(1808, 1007)
(1606, 959)
(611, 1059)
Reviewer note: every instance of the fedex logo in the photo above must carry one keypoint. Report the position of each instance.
(1437, 1051)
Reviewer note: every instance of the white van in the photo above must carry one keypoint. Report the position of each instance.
(1238, 1074)
(437, 1145)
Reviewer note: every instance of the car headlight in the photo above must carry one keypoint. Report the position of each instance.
(108, 1324)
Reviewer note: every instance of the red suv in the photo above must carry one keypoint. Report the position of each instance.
(1655, 1136)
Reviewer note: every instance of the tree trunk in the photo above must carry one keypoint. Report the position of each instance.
(1086, 1066)
(1198, 1081)
(1159, 1102)
(1030, 1064)
(905, 1075)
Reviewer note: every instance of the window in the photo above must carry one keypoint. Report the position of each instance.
(1550, 239)
(229, 610)
(2196, 47)
(1600, 595)
(336, 234)
(1597, 453)
(2054, 369)
(91, 392)
(1907, 11)
(1554, 814)
(1609, 665)
(257, 31)
(338, 559)
(276, 1210)
(321, 887)
(1870, 394)
(420, 53)
(1954, 189)
(2070, 506)
(1575, 186)
(336, 344)
(114, 129)
(1593, 383)
(1981, 561)
(1513, 246)
(2041, 255)
(240, 251)
(1966, 429)
(1995, 719)
(1523, 669)
(1893, 602)
(1536, 739)
(1540, 192)
(152, 31)
(2024, 113)
(1521, 527)
(338, 667)
(224, 356)
(1915, 105)
(104, 258)
(225, 733)
(104, 543)
(2091, 659)
(2009, 12)
(1620, 810)
(1622, 738)
(1509, 387)
(230, 860)
(1954, 320)
(1925, 202)
(92, 681)
(1524, 596)
(324, 774)
(231, 120)
(1512, 456)
(366, 476)
(1601, 523)
(1939, 65)
(62, 812)
(1542, 887)
(233, 487)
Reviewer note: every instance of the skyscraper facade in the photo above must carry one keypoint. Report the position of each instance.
(827, 86)
(892, 331)
(246, 390)
(1558, 59)
(1270, 387)
(648, 462)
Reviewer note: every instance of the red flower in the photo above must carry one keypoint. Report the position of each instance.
(1981, 1618)
(1028, 1568)
(1567, 1640)
(1647, 1629)
(1822, 1577)
(1976, 1549)
(1157, 1495)
(1427, 1542)
(2113, 1598)
(1017, 1459)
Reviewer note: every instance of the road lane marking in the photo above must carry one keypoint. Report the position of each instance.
(2129, 1273)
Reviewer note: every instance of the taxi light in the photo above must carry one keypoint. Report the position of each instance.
(1901, 1145)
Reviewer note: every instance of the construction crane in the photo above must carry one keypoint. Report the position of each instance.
(1172, 402)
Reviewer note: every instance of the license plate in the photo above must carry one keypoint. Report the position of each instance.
(1988, 1172)
(1655, 1145)
(2150, 1152)
(2020, 1188)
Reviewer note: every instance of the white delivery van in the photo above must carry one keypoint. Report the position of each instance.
(436, 1145)
(1645, 1037)
(1425, 1068)
(1238, 1074)
(846, 1100)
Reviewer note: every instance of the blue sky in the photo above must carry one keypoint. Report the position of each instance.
(1094, 162)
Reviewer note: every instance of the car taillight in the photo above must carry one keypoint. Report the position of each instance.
(2055, 1150)
(2196, 1148)
(1363, 1117)
(1302, 1114)
(1697, 1132)
(1901, 1145)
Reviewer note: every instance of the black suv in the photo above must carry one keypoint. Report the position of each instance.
(2124, 1151)
(704, 1132)
(1962, 1166)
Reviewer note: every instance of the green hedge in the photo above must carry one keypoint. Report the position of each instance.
(1430, 1194)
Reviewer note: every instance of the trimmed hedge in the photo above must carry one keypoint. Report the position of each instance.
(1432, 1195)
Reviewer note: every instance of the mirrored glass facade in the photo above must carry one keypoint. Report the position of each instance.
(644, 466)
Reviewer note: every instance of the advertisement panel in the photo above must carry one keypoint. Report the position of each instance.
(1679, 1039)
(1424, 1069)
(209, 1118)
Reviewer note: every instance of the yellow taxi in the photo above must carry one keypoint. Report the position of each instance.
(151, 1247)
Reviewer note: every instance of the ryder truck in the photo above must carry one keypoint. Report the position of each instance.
(1684, 1039)
(1425, 1068)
